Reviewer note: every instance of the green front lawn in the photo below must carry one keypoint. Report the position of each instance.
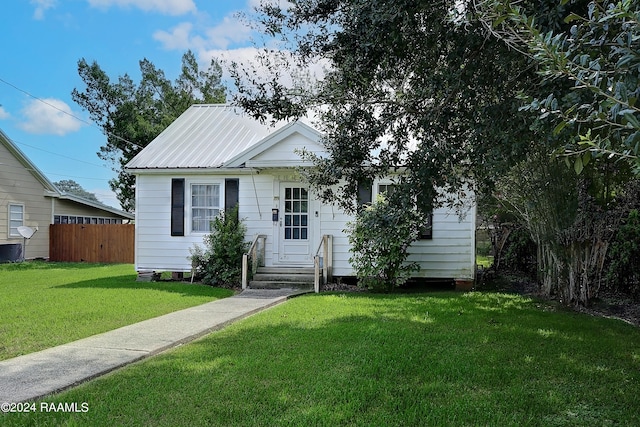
(435, 359)
(47, 304)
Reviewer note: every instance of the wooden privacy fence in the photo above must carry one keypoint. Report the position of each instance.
(108, 243)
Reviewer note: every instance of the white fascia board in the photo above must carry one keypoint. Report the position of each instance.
(270, 164)
(192, 171)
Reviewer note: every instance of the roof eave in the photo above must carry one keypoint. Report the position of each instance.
(191, 170)
(97, 205)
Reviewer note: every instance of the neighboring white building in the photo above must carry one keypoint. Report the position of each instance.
(213, 157)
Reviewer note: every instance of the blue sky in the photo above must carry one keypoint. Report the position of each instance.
(42, 41)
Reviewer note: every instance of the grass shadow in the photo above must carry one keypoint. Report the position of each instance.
(129, 282)
(49, 265)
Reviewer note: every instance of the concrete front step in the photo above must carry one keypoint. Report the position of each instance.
(259, 284)
(282, 278)
(286, 270)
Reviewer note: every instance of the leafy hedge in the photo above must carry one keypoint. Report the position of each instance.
(219, 263)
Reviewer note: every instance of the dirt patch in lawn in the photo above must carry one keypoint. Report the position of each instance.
(615, 306)
(608, 304)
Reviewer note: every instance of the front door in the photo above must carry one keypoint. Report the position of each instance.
(295, 227)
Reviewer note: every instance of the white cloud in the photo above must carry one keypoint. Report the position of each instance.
(243, 57)
(49, 116)
(230, 41)
(179, 38)
(185, 35)
(230, 30)
(4, 114)
(168, 7)
(257, 3)
(41, 8)
(252, 58)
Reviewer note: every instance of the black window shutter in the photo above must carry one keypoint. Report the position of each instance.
(231, 193)
(427, 231)
(365, 192)
(177, 207)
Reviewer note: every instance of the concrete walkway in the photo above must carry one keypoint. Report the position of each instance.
(36, 375)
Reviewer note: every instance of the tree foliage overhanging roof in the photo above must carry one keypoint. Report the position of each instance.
(401, 72)
(131, 115)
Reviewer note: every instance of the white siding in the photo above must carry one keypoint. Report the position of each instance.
(286, 150)
(449, 255)
(157, 250)
(334, 221)
(255, 203)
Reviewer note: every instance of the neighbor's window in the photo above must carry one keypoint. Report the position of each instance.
(205, 206)
(16, 219)
(67, 219)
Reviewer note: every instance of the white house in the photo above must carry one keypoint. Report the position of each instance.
(214, 156)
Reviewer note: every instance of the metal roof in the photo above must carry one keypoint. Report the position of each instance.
(204, 136)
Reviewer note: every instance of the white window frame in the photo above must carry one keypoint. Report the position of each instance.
(13, 229)
(383, 184)
(216, 206)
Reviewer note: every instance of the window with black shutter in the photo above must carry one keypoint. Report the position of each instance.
(231, 193)
(365, 193)
(426, 233)
(177, 207)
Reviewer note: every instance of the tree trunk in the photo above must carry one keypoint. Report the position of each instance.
(574, 271)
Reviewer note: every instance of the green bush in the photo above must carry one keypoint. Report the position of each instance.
(519, 252)
(484, 248)
(623, 266)
(380, 237)
(220, 262)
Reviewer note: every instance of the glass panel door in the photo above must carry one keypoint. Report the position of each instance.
(296, 213)
(295, 225)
